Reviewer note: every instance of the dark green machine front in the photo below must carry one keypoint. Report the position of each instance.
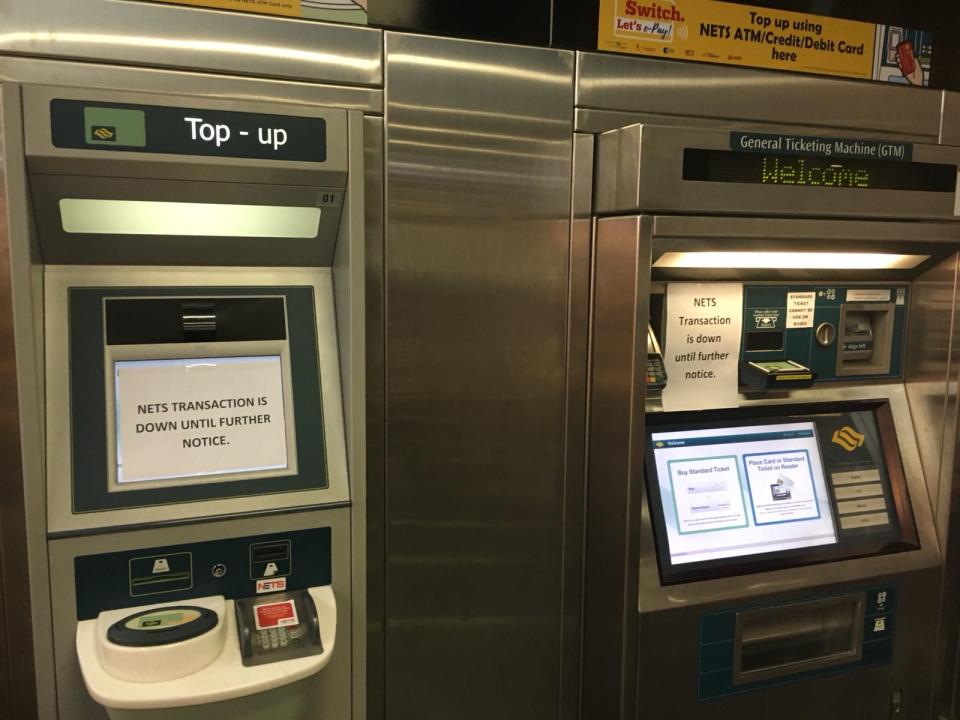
(839, 332)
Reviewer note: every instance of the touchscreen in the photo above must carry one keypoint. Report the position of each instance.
(734, 491)
(199, 416)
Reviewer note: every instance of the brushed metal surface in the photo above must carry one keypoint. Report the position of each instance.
(158, 35)
(594, 120)
(578, 363)
(929, 357)
(18, 679)
(613, 82)
(479, 151)
(950, 119)
(933, 373)
(640, 168)
(36, 71)
(621, 296)
(349, 277)
(583, 147)
(373, 164)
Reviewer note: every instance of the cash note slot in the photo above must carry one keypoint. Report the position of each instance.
(789, 639)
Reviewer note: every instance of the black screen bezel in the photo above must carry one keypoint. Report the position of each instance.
(903, 536)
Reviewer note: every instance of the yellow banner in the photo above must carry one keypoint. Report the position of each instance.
(731, 34)
(269, 7)
(344, 11)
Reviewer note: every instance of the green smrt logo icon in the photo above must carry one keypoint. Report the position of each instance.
(848, 438)
(103, 133)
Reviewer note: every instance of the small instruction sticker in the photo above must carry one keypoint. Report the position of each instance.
(868, 295)
(276, 614)
(800, 309)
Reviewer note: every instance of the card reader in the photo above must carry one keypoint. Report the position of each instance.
(656, 372)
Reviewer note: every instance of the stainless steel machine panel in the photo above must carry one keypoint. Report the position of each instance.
(168, 36)
(721, 95)
(643, 169)
(479, 151)
(20, 434)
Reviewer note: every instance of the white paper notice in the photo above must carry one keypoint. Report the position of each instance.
(800, 309)
(202, 416)
(704, 321)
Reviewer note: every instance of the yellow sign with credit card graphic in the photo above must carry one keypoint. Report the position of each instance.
(732, 34)
(269, 7)
(345, 11)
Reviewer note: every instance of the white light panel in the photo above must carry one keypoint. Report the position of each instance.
(789, 260)
(149, 217)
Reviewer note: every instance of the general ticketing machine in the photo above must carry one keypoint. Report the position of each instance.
(759, 300)
(197, 283)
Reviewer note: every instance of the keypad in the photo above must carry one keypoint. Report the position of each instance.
(656, 372)
(276, 638)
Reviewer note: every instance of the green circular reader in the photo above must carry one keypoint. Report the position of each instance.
(162, 626)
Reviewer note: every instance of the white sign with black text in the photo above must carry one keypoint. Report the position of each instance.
(800, 308)
(704, 323)
(199, 416)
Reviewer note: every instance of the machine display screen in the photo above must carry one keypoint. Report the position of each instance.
(728, 492)
(727, 166)
(196, 417)
(734, 491)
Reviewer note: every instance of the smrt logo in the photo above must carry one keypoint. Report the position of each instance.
(848, 438)
(103, 133)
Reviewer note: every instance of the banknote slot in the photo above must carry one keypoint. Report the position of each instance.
(785, 640)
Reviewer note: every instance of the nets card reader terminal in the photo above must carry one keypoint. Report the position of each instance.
(656, 372)
(277, 627)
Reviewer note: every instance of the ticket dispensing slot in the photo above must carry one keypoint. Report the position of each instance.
(866, 337)
(785, 640)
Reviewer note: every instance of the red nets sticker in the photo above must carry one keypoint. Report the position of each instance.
(276, 614)
(271, 585)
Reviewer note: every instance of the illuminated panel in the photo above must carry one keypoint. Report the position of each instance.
(726, 166)
(148, 217)
(790, 260)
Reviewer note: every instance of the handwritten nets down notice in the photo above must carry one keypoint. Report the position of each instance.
(704, 322)
(196, 417)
